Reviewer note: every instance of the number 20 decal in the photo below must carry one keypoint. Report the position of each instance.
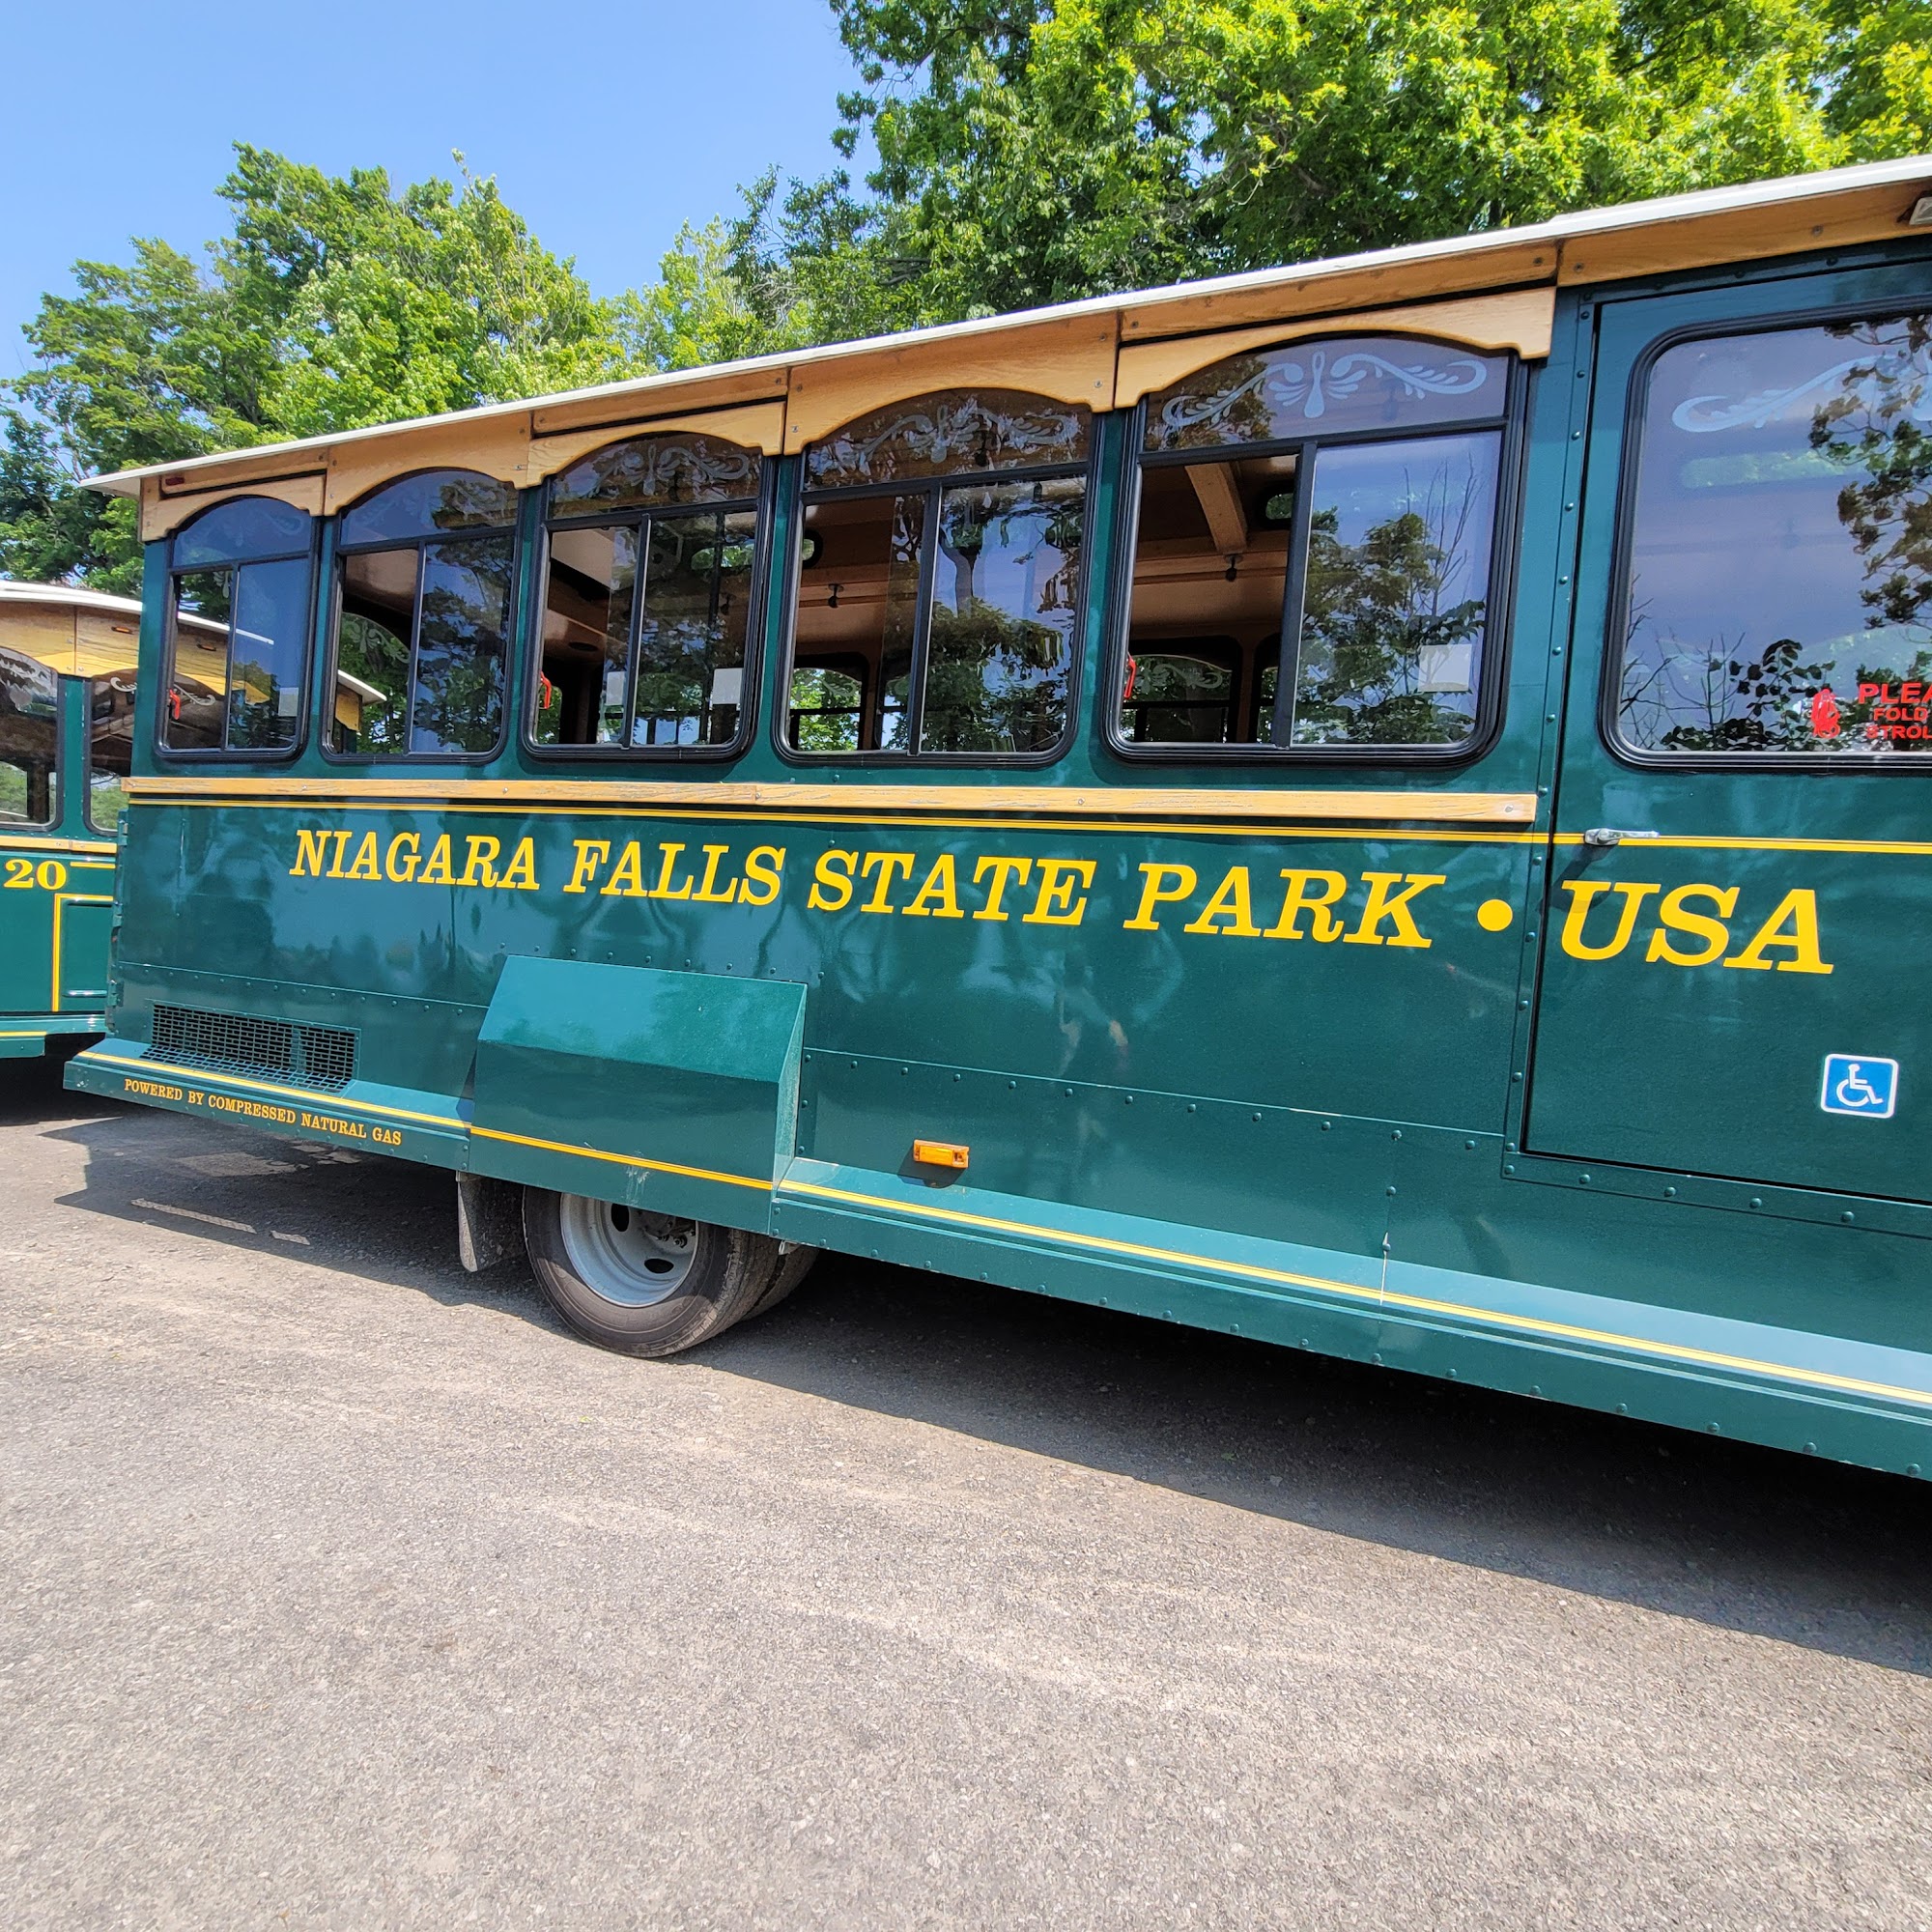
(22, 874)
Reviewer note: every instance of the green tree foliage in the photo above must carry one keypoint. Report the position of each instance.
(333, 302)
(1036, 150)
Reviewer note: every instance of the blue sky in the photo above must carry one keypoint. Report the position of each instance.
(605, 126)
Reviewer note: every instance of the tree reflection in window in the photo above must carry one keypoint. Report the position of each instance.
(647, 595)
(1397, 592)
(936, 615)
(423, 619)
(1326, 510)
(237, 628)
(29, 741)
(1780, 573)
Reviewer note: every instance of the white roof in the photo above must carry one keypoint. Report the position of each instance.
(72, 594)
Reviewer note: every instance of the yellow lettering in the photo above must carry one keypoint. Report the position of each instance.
(1384, 904)
(1322, 926)
(404, 856)
(940, 888)
(437, 872)
(520, 874)
(1004, 871)
(479, 862)
(626, 877)
(1583, 893)
(661, 889)
(1154, 891)
(341, 847)
(591, 853)
(1054, 904)
(311, 847)
(1673, 916)
(1799, 909)
(831, 882)
(367, 863)
(1232, 902)
(764, 866)
(707, 890)
(888, 865)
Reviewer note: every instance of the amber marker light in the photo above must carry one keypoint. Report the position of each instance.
(939, 1153)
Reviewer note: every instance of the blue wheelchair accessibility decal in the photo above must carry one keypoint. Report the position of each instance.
(1856, 1083)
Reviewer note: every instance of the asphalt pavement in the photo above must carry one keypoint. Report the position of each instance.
(339, 1588)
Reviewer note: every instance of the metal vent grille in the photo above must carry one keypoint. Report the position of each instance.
(321, 1056)
(329, 1056)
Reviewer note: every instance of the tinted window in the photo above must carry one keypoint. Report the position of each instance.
(1329, 512)
(938, 614)
(423, 618)
(1778, 585)
(1396, 599)
(238, 629)
(1005, 589)
(29, 741)
(110, 747)
(646, 608)
(424, 505)
(250, 526)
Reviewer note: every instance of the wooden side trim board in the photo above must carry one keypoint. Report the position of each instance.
(861, 800)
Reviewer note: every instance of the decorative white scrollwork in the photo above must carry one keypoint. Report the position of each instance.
(951, 432)
(1883, 379)
(1290, 384)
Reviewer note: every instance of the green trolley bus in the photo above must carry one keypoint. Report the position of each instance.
(1384, 805)
(67, 736)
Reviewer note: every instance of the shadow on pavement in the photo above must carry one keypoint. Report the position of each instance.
(1754, 1540)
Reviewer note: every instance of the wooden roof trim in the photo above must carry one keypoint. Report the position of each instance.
(162, 515)
(1710, 239)
(1070, 358)
(1760, 218)
(498, 447)
(1520, 321)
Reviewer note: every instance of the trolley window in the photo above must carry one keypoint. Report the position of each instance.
(1777, 590)
(238, 629)
(647, 597)
(1329, 510)
(939, 581)
(110, 747)
(29, 741)
(423, 616)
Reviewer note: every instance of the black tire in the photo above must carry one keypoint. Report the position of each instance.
(794, 1265)
(581, 1253)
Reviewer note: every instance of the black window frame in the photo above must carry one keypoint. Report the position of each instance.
(933, 487)
(339, 551)
(48, 827)
(1610, 685)
(257, 754)
(762, 505)
(1509, 424)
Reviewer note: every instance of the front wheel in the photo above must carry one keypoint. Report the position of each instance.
(640, 1283)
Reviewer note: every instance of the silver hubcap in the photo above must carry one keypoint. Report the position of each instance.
(627, 1257)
